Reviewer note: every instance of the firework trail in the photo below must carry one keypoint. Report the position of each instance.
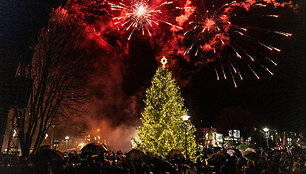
(223, 32)
(141, 16)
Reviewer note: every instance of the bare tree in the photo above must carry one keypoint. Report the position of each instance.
(54, 70)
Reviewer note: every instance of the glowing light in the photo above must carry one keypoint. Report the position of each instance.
(274, 16)
(185, 117)
(210, 23)
(164, 61)
(254, 72)
(235, 84)
(218, 78)
(271, 61)
(268, 47)
(139, 16)
(211, 29)
(15, 133)
(81, 145)
(277, 49)
(141, 11)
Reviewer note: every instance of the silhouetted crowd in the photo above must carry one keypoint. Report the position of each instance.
(209, 162)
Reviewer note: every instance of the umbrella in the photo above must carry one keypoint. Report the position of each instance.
(242, 147)
(49, 155)
(173, 152)
(162, 165)
(218, 158)
(230, 152)
(222, 154)
(251, 155)
(250, 149)
(150, 155)
(136, 155)
(94, 149)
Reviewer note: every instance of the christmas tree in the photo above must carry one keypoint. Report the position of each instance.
(163, 128)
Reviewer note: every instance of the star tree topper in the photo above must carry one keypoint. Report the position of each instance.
(164, 61)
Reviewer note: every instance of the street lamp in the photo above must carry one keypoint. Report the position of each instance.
(67, 140)
(185, 118)
(52, 137)
(266, 130)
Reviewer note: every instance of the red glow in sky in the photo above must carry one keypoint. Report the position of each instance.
(143, 16)
(210, 23)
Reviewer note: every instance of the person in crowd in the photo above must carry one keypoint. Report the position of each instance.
(270, 162)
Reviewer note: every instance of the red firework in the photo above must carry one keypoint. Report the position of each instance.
(139, 16)
(211, 31)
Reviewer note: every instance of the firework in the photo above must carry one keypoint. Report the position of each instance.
(139, 16)
(215, 31)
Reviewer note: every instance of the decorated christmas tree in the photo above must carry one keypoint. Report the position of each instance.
(163, 128)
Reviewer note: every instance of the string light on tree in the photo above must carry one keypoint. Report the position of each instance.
(162, 127)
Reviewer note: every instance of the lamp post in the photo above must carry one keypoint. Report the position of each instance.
(67, 140)
(52, 137)
(185, 118)
(266, 130)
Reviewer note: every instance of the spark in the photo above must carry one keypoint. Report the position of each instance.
(283, 33)
(197, 52)
(274, 16)
(237, 54)
(140, 16)
(239, 33)
(224, 75)
(249, 56)
(234, 68)
(212, 30)
(254, 72)
(268, 47)
(218, 78)
(233, 78)
(277, 49)
(260, 5)
(267, 69)
(271, 61)
(240, 76)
